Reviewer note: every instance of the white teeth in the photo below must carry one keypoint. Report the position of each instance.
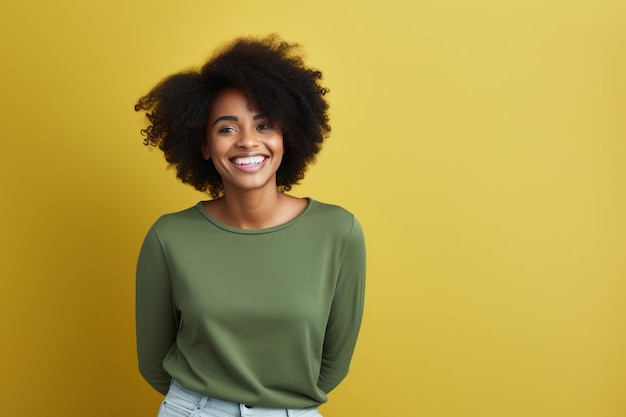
(249, 160)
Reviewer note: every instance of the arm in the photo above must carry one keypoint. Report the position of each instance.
(156, 318)
(346, 312)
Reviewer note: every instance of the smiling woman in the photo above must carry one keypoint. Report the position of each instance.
(245, 147)
(274, 79)
(249, 303)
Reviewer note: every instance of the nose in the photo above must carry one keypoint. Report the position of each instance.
(247, 139)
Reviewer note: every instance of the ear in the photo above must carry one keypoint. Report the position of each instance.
(205, 151)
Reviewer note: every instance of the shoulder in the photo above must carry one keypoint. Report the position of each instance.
(333, 216)
(178, 221)
(338, 229)
(331, 211)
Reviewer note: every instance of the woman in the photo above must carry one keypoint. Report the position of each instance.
(248, 304)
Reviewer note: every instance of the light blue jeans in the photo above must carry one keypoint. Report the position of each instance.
(181, 402)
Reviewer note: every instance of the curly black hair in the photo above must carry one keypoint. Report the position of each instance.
(272, 73)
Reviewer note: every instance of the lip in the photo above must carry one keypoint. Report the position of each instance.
(255, 163)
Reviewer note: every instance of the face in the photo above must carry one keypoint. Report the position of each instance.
(245, 147)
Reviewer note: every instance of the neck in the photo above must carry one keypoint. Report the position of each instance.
(251, 210)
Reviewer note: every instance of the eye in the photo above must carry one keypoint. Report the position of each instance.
(263, 126)
(226, 129)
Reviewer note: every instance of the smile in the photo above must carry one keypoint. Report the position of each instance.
(250, 160)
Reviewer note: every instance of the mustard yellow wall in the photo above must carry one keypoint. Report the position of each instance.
(481, 143)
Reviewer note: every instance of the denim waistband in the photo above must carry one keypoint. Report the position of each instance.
(180, 393)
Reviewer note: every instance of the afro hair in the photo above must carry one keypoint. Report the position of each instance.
(272, 73)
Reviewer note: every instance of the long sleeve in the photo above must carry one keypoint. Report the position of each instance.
(156, 318)
(346, 312)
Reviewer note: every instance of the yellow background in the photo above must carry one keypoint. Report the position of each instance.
(481, 144)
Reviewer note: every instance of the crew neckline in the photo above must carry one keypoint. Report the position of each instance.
(232, 229)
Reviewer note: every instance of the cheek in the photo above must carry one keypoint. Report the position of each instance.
(279, 144)
(216, 147)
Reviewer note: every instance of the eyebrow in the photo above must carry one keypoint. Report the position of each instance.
(236, 119)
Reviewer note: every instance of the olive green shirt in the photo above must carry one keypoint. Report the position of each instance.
(266, 317)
